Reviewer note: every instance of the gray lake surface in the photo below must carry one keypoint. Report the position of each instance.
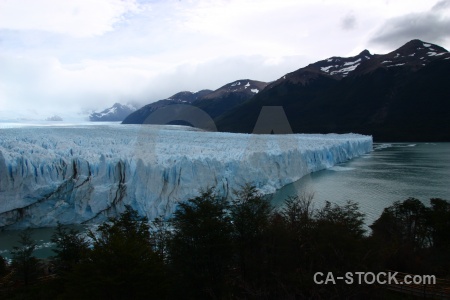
(391, 172)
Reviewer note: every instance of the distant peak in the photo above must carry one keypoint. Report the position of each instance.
(416, 44)
(365, 52)
(416, 41)
(181, 94)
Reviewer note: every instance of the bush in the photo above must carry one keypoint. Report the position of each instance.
(200, 249)
(121, 263)
(24, 264)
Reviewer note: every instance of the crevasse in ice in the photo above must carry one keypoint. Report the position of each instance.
(84, 174)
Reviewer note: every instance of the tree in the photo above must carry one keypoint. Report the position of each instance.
(251, 216)
(3, 266)
(298, 210)
(160, 235)
(439, 220)
(200, 248)
(24, 264)
(403, 234)
(295, 236)
(250, 213)
(438, 255)
(339, 245)
(298, 215)
(71, 248)
(404, 223)
(121, 264)
(348, 216)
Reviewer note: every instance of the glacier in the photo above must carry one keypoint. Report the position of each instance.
(82, 174)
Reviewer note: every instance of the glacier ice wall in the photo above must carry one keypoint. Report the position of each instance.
(84, 174)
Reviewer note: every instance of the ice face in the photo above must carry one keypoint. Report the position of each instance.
(82, 174)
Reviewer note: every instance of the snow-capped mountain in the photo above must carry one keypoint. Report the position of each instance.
(414, 54)
(117, 112)
(214, 103)
(185, 97)
(247, 87)
(229, 96)
(335, 67)
(399, 96)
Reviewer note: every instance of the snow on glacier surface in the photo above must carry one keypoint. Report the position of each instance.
(79, 174)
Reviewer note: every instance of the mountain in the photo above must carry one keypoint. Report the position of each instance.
(140, 115)
(54, 118)
(214, 103)
(117, 112)
(399, 96)
(228, 96)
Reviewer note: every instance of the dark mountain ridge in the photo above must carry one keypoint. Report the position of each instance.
(399, 96)
(185, 97)
(215, 103)
(403, 95)
(229, 96)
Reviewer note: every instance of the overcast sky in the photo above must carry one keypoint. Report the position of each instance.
(70, 57)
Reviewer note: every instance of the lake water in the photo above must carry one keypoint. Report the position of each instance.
(391, 172)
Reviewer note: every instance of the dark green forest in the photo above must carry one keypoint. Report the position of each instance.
(243, 248)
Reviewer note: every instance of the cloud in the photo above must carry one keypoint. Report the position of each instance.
(205, 75)
(87, 55)
(432, 26)
(53, 88)
(81, 55)
(348, 22)
(50, 87)
(441, 5)
(77, 18)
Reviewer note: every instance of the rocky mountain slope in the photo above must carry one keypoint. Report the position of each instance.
(399, 96)
(140, 115)
(215, 103)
